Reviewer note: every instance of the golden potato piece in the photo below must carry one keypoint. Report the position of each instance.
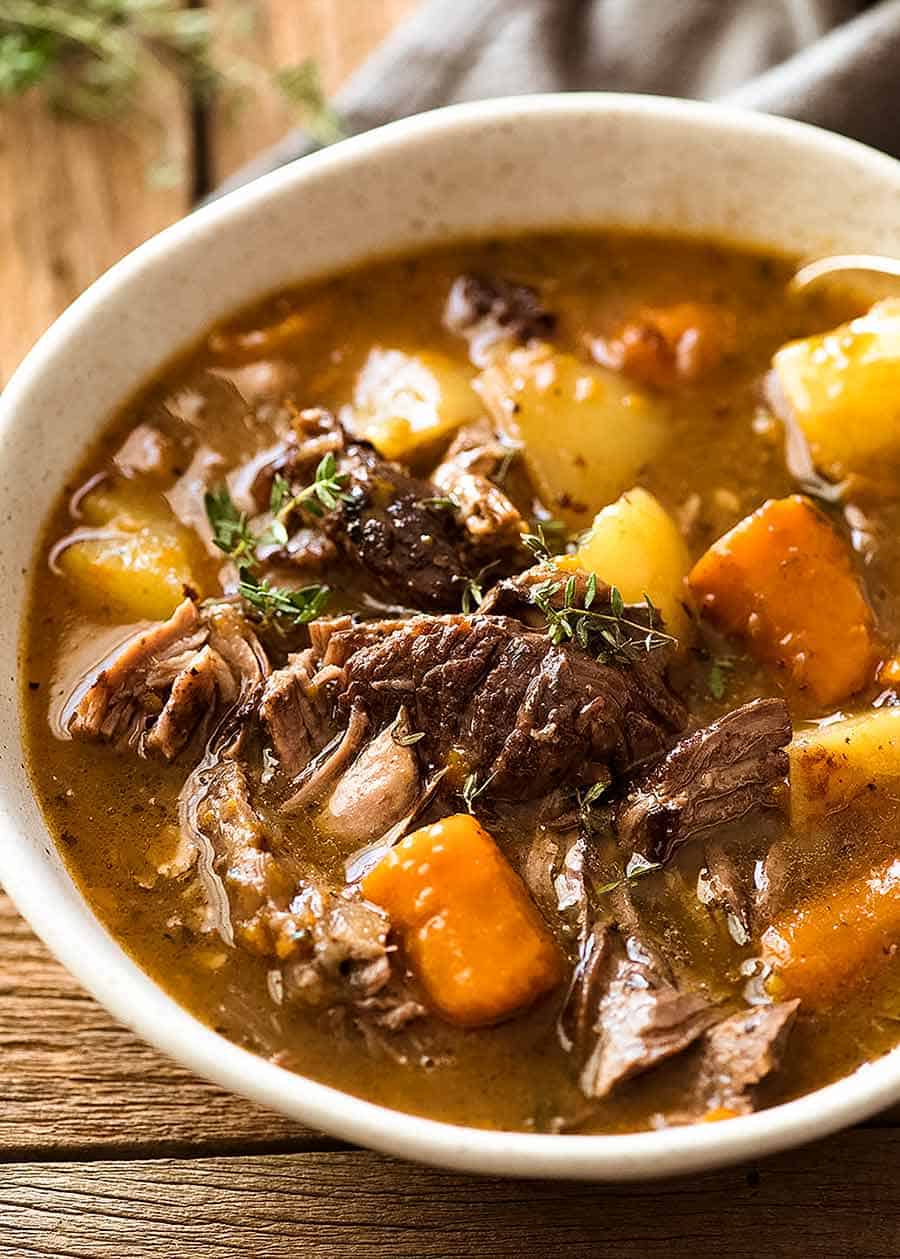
(586, 430)
(835, 764)
(843, 390)
(634, 544)
(138, 576)
(404, 402)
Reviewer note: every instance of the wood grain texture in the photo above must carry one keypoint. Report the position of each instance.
(72, 1079)
(838, 1199)
(338, 34)
(76, 196)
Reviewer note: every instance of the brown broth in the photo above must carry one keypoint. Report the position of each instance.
(107, 809)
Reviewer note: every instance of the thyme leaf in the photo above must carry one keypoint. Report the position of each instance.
(587, 801)
(296, 606)
(472, 789)
(638, 868)
(717, 683)
(324, 494)
(231, 530)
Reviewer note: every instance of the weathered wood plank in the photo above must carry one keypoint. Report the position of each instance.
(339, 34)
(73, 1080)
(76, 197)
(839, 1198)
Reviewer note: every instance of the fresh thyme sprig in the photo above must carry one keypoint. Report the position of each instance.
(90, 58)
(717, 682)
(273, 602)
(622, 639)
(472, 789)
(324, 494)
(231, 530)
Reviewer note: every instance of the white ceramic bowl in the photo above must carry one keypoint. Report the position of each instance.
(543, 162)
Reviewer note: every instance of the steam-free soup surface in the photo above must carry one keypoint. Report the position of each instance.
(509, 844)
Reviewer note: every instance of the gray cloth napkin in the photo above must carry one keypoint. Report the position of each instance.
(831, 62)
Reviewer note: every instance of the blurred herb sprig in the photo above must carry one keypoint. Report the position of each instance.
(90, 58)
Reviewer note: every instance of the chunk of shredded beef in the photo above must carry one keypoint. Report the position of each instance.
(491, 520)
(168, 682)
(626, 1013)
(387, 522)
(521, 713)
(296, 712)
(333, 946)
(733, 1058)
(716, 776)
(390, 525)
(489, 310)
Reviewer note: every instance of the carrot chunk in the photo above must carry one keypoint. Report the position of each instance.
(783, 580)
(473, 936)
(833, 941)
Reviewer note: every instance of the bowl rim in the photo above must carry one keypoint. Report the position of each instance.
(101, 965)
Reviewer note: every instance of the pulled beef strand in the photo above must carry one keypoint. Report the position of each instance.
(721, 774)
(732, 1060)
(165, 685)
(625, 1013)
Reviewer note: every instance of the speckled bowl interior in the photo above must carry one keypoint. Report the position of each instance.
(525, 163)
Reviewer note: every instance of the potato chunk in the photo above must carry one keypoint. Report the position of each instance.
(634, 544)
(843, 390)
(836, 764)
(471, 932)
(783, 580)
(138, 575)
(587, 431)
(135, 564)
(404, 402)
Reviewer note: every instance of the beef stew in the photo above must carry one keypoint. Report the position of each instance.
(472, 682)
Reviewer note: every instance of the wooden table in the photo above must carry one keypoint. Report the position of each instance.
(107, 1149)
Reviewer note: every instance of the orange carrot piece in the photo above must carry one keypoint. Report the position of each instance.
(471, 932)
(665, 344)
(834, 940)
(783, 580)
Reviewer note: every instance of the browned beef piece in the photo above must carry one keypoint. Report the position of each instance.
(521, 713)
(410, 547)
(296, 713)
(392, 525)
(170, 681)
(334, 945)
(733, 1058)
(346, 954)
(735, 767)
(492, 522)
(626, 1013)
(487, 310)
